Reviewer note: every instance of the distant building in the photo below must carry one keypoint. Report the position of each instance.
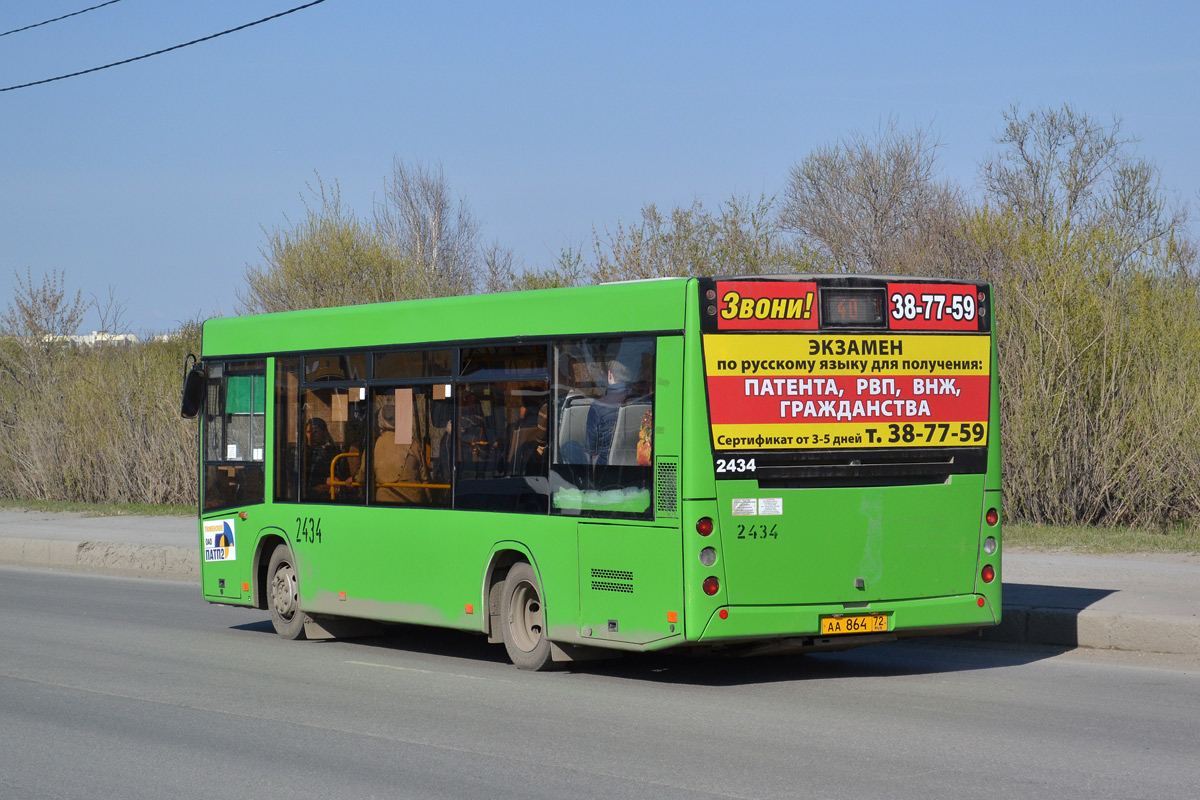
(97, 337)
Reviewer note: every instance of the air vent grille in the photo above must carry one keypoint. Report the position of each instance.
(612, 580)
(666, 483)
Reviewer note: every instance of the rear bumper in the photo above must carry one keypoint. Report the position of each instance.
(933, 615)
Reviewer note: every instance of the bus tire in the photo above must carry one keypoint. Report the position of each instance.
(522, 619)
(283, 594)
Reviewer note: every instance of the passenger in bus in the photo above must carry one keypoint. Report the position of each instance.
(400, 470)
(443, 457)
(319, 451)
(602, 416)
(530, 437)
(475, 437)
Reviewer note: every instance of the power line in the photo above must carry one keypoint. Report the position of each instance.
(56, 19)
(166, 49)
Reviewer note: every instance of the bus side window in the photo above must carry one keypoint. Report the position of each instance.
(408, 447)
(602, 442)
(287, 428)
(333, 438)
(503, 395)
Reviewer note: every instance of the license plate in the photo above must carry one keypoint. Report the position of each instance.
(854, 623)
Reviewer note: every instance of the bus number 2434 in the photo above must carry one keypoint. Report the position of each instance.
(308, 529)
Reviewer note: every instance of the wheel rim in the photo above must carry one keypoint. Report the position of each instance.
(285, 599)
(526, 616)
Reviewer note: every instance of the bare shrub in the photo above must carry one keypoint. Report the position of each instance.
(873, 203)
(741, 238)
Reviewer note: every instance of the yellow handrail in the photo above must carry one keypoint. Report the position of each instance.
(335, 482)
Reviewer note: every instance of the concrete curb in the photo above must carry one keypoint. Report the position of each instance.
(139, 560)
(1072, 627)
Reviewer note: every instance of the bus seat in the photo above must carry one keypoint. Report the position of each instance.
(623, 451)
(520, 437)
(572, 425)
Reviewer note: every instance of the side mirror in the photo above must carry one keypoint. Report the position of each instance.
(193, 388)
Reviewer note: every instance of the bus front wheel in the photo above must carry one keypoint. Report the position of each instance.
(522, 619)
(284, 594)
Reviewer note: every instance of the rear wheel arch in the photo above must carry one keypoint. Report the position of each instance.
(502, 559)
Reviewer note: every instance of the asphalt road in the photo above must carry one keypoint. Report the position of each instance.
(138, 689)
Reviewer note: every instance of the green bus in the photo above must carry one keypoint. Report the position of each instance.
(745, 464)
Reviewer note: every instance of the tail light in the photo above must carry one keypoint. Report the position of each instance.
(993, 516)
(988, 574)
(711, 585)
(704, 526)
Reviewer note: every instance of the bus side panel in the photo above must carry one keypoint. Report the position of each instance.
(226, 555)
(631, 583)
(426, 566)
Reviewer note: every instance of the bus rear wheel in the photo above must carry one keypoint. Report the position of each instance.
(283, 594)
(523, 620)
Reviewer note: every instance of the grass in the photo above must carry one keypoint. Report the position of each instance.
(1090, 539)
(98, 509)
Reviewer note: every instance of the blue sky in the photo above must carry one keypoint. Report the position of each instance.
(156, 178)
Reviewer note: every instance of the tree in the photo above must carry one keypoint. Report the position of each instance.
(34, 375)
(43, 311)
(329, 258)
(434, 236)
(873, 203)
(34, 327)
(1094, 274)
(419, 242)
(742, 238)
(1062, 166)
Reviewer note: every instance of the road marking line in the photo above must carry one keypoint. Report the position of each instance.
(414, 669)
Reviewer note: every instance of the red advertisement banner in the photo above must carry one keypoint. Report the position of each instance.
(932, 307)
(766, 305)
(848, 389)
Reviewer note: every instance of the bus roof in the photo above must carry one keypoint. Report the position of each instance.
(609, 308)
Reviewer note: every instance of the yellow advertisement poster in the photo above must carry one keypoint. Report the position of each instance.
(818, 391)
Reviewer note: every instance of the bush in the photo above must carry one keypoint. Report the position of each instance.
(100, 425)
